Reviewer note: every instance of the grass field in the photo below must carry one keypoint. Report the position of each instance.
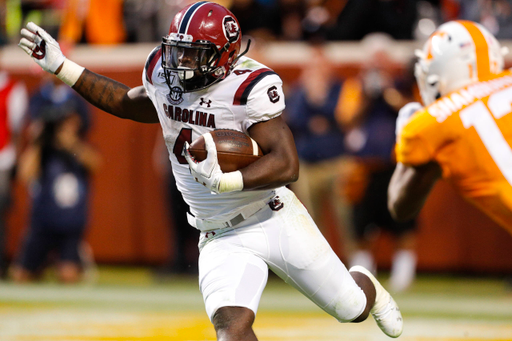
(128, 304)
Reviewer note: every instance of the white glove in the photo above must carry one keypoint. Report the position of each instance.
(206, 172)
(405, 114)
(43, 49)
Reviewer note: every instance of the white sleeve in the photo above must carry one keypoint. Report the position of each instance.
(265, 101)
(150, 65)
(145, 82)
(17, 106)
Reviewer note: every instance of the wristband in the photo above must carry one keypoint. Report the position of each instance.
(231, 182)
(70, 72)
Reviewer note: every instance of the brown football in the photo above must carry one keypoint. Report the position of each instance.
(235, 150)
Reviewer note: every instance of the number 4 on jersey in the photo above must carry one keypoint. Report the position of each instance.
(184, 136)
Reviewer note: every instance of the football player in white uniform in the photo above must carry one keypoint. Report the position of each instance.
(196, 81)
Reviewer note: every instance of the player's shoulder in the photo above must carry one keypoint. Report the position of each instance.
(248, 65)
(448, 107)
(421, 118)
(252, 76)
(153, 59)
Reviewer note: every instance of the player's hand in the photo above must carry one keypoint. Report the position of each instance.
(206, 172)
(43, 49)
(405, 114)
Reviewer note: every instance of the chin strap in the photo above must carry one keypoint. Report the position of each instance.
(245, 51)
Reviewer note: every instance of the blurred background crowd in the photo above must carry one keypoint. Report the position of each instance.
(342, 117)
(118, 21)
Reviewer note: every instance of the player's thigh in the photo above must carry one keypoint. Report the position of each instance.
(305, 260)
(230, 275)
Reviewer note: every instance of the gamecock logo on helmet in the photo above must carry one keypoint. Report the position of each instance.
(231, 29)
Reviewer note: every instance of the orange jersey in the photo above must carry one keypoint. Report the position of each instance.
(469, 134)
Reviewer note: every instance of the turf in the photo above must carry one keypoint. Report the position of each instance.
(131, 304)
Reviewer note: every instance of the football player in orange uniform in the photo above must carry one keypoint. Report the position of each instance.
(464, 132)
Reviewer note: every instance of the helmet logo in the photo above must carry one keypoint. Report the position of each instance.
(176, 95)
(231, 29)
(434, 39)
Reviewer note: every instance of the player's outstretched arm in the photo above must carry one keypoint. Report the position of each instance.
(280, 164)
(104, 93)
(409, 188)
(116, 98)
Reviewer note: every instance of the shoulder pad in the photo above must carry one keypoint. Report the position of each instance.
(243, 91)
(153, 58)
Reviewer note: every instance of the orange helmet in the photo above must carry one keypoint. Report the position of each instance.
(456, 54)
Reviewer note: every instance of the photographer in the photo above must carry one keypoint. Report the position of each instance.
(56, 166)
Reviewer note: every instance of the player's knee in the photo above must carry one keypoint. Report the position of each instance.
(369, 291)
(232, 323)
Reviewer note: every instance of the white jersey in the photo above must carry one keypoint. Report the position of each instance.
(281, 236)
(251, 93)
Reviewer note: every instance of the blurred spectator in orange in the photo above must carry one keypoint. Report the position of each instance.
(45, 12)
(369, 106)
(13, 106)
(56, 166)
(73, 21)
(142, 20)
(93, 21)
(311, 115)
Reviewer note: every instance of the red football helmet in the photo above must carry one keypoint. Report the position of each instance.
(203, 44)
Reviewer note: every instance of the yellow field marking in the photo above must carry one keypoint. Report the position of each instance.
(174, 312)
(67, 324)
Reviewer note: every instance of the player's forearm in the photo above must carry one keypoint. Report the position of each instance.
(271, 171)
(114, 98)
(102, 92)
(280, 164)
(409, 188)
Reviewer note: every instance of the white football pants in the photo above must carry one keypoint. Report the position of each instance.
(234, 262)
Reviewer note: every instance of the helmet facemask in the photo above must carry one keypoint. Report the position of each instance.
(428, 84)
(195, 63)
